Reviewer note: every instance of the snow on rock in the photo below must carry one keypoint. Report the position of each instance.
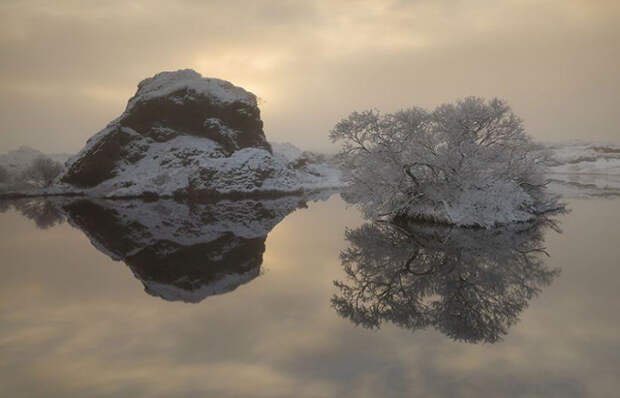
(247, 171)
(182, 134)
(159, 168)
(165, 83)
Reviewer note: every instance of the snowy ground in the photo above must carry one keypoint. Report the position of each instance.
(582, 170)
(577, 169)
(300, 171)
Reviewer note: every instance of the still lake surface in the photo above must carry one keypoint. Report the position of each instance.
(258, 320)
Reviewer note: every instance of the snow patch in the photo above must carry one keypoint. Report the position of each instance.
(166, 83)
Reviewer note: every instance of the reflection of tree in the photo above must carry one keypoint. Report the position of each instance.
(45, 213)
(471, 284)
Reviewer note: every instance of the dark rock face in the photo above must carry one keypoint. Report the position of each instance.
(181, 112)
(166, 106)
(101, 159)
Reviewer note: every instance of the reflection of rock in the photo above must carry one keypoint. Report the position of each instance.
(470, 284)
(191, 273)
(183, 251)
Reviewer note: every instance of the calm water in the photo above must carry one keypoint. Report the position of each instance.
(163, 299)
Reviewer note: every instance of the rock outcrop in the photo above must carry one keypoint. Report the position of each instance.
(182, 134)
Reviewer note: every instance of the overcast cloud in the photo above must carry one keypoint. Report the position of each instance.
(69, 67)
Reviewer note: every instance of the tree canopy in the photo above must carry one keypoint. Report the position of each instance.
(42, 171)
(467, 163)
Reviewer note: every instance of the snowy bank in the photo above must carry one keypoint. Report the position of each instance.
(584, 170)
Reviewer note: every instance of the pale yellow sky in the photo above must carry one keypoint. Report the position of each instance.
(69, 67)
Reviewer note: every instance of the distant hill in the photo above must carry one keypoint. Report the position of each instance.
(579, 169)
(18, 160)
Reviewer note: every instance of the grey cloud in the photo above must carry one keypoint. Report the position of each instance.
(67, 68)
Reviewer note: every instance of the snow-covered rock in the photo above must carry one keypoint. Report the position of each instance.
(182, 134)
(315, 170)
(247, 171)
(174, 122)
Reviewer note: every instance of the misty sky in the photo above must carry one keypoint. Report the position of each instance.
(69, 67)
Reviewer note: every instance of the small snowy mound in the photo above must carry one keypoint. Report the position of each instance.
(312, 169)
(287, 150)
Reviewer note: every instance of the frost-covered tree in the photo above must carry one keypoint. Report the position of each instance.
(468, 163)
(42, 171)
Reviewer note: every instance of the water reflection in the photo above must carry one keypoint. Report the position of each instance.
(470, 284)
(45, 213)
(180, 251)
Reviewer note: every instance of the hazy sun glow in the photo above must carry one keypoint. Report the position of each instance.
(68, 67)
